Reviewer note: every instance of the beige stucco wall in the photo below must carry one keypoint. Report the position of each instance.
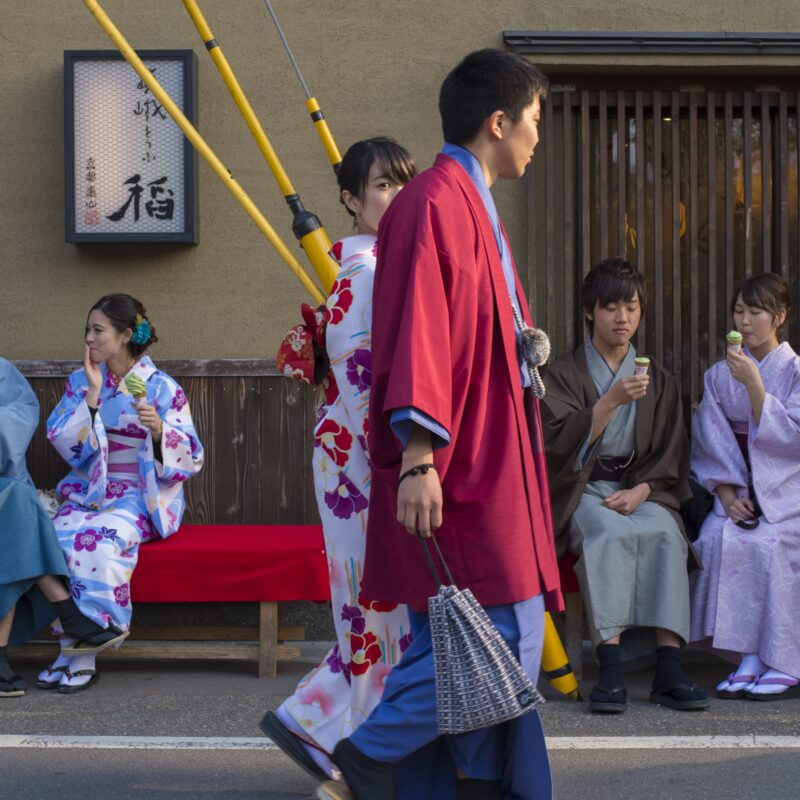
(375, 66)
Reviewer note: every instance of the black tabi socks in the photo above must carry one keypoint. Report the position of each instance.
(669, 668)
(609, 666)
(4, 665)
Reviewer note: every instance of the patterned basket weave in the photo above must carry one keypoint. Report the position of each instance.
(479, 682)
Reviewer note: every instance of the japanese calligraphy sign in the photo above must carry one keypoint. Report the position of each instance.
(131, 175)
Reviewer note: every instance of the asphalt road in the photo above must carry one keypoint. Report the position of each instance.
(226, 702)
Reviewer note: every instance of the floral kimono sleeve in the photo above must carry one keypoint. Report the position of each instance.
(348, 339)
(81, 442)
(181, 457)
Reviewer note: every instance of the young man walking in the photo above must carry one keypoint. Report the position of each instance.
(455, 445)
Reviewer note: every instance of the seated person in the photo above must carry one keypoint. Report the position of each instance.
(124, 428)
(33, 573)
(746, 451)
(618, 461)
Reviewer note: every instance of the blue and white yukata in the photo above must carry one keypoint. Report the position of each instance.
(121, 491)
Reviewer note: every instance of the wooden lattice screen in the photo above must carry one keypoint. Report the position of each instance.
(697, 187)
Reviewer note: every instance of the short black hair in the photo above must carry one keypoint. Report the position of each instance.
(397, 164)
(122, 310)
(484, 82)
(611, 281)
(768, 291)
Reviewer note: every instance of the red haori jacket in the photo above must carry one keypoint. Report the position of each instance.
(444, 342)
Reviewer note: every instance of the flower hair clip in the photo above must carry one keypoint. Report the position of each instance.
(141, 333)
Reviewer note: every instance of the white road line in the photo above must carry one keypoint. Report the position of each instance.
(137, 742)
(263, 743)
(672, 742)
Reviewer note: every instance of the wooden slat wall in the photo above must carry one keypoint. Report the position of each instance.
(698, 188)
(255, 426)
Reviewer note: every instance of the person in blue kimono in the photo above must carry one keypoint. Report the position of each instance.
(33, 573)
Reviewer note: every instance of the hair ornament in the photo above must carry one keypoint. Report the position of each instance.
(142, 332)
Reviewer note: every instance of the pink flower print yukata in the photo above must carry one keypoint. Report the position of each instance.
(120, 491)
(340, 693)
(746, 599)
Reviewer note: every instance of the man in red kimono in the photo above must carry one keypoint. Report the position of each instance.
(455, 444)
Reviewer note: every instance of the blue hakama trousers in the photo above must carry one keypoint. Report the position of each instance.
(403, 730)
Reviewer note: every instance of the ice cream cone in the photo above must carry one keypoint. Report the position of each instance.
(734, 341)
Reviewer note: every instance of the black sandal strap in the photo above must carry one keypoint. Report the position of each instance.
(610, 692)
(80, 673)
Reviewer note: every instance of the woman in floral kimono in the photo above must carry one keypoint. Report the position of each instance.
(746, 450)
(125, 429)
(337, 696)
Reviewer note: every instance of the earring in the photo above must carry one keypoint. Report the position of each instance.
(355, 219)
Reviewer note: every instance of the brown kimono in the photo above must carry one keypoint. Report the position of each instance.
(632, 569)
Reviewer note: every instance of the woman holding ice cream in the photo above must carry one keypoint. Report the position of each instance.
(125, 429)
(746, 451)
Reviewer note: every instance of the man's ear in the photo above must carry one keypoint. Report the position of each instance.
(588, 314)
(496, 125)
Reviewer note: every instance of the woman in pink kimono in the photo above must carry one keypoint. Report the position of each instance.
(340, 693)
(746, 451)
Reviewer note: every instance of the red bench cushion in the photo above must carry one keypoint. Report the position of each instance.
(569, 581)
(210, 563)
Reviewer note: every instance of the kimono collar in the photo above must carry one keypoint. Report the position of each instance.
(474, 171)
(352, 245)
(774, 361)
(143, 367)
(625, 368)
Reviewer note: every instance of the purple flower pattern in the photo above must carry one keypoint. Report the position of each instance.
(179, 401)
(336, 664)
(122, 594)
(359, 369)
(87, 540)
(115, 489)
(355, 616)
(345, 500)
(172, 439)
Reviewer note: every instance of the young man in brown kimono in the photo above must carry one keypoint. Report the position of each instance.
(618, 460)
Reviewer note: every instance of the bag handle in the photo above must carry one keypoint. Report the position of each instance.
(431, 565)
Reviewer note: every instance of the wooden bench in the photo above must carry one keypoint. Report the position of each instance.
(256, 428)
(265, 564)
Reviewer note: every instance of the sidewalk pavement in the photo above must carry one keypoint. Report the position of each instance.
(227, 700)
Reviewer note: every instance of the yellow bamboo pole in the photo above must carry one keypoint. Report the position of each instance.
(324, 133)
(306, 226)
(317, 117)
(190, 132)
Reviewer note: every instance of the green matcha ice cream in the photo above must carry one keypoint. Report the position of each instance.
(136, 386)
(734, 340)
